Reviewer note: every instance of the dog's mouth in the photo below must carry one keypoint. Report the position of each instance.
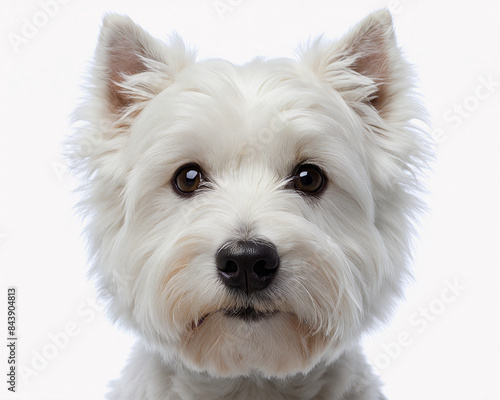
(247, 314)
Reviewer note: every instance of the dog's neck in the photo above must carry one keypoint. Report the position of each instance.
(254, 386)
(347, 376)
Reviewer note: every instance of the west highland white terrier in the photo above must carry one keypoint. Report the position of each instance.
(249, 222)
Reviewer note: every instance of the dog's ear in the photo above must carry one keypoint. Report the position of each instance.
(365, 65)
(131, 65)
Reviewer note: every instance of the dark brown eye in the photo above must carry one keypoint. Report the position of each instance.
(309, 179)
(187, 178)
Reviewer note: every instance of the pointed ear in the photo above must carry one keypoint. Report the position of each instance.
(366, 64)
(130, 64)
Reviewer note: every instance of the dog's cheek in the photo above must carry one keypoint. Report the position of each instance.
(176, 281)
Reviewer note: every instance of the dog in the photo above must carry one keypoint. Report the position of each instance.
(250, 223)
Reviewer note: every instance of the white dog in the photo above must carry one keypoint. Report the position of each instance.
(250, 222)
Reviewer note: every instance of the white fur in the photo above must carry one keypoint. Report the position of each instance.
(345, 106)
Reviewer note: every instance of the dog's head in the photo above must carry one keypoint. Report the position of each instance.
(249, 218)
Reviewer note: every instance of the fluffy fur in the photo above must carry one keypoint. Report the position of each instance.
(346, 106)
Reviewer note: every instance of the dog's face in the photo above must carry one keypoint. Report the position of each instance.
(249, 218)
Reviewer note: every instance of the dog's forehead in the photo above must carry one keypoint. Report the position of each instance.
(264, 111)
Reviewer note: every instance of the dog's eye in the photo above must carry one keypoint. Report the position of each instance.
(187, 178)
(309, 178)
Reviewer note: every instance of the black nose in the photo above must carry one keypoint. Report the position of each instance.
(247, 265)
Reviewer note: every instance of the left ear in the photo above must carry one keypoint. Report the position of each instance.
(365, 65)
(131, 65)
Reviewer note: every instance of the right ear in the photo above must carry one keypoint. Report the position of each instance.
(131, 66)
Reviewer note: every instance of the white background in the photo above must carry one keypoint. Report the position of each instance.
(455, 47)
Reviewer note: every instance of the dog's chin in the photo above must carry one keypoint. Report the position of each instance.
(238, 341)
